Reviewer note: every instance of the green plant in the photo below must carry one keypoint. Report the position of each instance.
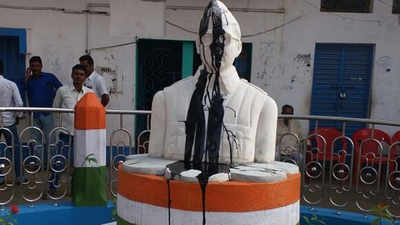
(382, 214)
(6, 216)
(89, 159)
(114, 211)
(314, 220)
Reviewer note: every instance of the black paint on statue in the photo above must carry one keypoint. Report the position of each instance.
(214, 129)
(195, 122)
(195, 119)
(206, 150)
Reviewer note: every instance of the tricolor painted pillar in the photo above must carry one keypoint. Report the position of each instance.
(89, 178)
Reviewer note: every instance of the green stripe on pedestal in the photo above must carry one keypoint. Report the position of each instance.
(89, 186)
(121, 221)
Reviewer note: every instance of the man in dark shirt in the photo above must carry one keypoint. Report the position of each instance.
(41, 88)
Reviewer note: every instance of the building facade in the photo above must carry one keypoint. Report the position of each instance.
(323, 57)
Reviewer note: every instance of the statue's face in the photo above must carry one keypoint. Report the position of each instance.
(216, 46)
(231, 47)
(205, 52)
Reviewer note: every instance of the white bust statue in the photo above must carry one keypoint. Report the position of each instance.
(248, 130)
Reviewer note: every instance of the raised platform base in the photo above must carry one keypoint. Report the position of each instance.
(146, 199)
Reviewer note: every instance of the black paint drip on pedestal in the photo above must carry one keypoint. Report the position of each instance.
(169, 202)
(207, 171)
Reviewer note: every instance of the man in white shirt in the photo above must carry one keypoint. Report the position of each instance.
(10, 97)
(94, 80)
(67, 97)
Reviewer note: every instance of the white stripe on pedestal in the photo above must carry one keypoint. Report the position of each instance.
(145, 214)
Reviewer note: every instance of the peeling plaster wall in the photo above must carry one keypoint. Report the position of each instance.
(58, 38)
(283, 56)
(380, 27)
(121, 60)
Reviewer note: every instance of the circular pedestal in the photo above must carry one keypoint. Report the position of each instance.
(143, 200)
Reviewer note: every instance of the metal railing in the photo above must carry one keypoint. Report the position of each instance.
(336, 171)
(345, 172)
(46, 158)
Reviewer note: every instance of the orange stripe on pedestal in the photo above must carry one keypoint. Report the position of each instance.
(220, 197)
(90, 113)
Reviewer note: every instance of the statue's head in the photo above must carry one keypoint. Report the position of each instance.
(219, 41)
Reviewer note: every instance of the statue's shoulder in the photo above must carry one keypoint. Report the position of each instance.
(254, 89)
(185, 83)
(177, 92)
(258, 94)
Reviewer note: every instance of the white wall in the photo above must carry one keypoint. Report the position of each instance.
(119, 59)
(380, 27)
(280, 55)
(283, 58)
(57, 37)
(60, 39)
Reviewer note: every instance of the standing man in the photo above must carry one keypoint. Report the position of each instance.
(94, 80)
(67, 97)
(41, 88)
(10, 97)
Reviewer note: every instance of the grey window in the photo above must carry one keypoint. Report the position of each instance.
(396, 6)
(357, 6)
